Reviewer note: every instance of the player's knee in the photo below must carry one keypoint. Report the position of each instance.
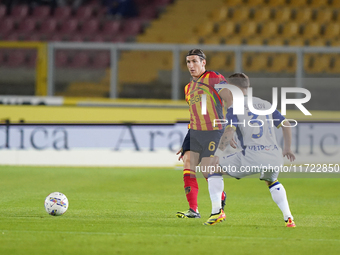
(186, 160)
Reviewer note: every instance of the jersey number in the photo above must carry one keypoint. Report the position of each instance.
(211, 146)
(260, 123)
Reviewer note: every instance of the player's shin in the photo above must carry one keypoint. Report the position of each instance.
(279, 196)
(191, 188)
(215, 186)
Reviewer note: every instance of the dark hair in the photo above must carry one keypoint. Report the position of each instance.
(197, 52)
(239, 79)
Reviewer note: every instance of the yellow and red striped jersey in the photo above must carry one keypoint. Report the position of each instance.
(194, 90)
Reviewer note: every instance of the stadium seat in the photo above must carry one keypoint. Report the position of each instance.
(331, 31)
(111, 27)
(31, 59)
(80, 60)
(41, 12)
(76, 37)
(14, 36)
(254, 62)
(297, 3)
(226, 29)
(248, 29)
(317, 42)
(84, 12)
(131, 27)
(16, 58)
(240, 14)
(276, 41)
(27, 25)
(118, 38)
(316, 63)
(89, 27)
(2, 57)
(219, 14)
(282, 14)
(318, 3)
(311, 30)
(55, 37)
(233, 3)
(19, 11)
(255, 41)
(276, 3)
(324, 16)
(233, 40)
(2, 11)
(194, 40)
(204, 29)
(255, 3)
(269, 29)
(62, 13)
(6, 26)
(69, 26)
(101, 60)
(296, 42)
(290, 29)
(222, 61)
(278, 63)
(334, 64)
(303, 15)
(61, 58)
(262, 14)
(335, 4)
(212, 39)
(35, 37)
(48, 26)
(148, 13)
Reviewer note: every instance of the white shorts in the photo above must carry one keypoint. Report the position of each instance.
(240, 164)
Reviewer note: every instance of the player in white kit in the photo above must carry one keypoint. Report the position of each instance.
(259, 153)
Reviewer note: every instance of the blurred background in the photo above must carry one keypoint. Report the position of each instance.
(115, 71)
(42, 46)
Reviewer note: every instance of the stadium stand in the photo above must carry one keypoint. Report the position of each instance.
(234, 22)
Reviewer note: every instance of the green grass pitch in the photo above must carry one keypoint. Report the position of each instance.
(132, 211)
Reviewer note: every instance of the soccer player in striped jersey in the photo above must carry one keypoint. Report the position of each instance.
(260, 151)
(205, 105)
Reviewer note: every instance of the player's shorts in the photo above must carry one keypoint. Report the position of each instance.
(203, 142)
(240, 164)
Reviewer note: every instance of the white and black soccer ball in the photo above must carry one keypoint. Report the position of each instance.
(56, 204)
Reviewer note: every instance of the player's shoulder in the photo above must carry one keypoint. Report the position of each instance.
(214, 74)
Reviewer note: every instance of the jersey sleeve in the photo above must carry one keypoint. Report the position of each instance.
(186, 92)
(216, 78)
(278, 118)
(231, 118)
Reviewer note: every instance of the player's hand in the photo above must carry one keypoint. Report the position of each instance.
(289, 154)
(233, 143)
(180, 155)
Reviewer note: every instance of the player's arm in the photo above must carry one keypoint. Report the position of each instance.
(228, 135)
(280, 121)
(287, 139)
(227, 138)
(227, 97)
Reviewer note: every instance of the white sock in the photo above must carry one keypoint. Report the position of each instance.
(280, 198)
(215, 186)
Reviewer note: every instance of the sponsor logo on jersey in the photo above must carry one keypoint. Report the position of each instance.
(271, 147)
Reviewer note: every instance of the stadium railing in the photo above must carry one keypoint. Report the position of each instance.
(177, 49)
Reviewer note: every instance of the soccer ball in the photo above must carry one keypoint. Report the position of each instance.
(56, 204)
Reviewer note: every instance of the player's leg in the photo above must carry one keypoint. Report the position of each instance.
(279, 196)
(216, 187)
(190, 160)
